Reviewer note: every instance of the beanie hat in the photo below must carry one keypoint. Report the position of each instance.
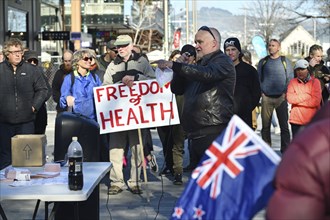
(233, 41)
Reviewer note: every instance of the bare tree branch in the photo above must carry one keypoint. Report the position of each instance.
(267, 16)
(143, 21)
(309, 16)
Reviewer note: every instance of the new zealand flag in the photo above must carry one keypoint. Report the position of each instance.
(233, 179)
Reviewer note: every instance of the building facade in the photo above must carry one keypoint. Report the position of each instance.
(296, 42)
(44, 25)
(21, 19)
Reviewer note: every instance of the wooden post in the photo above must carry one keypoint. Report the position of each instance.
(144, 165)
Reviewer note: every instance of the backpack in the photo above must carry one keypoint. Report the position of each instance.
(265, 61)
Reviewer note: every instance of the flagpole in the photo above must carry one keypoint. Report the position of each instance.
(165, 46)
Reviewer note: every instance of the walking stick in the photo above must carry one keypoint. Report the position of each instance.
(144, 165)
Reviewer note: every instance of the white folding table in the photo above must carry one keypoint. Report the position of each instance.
(93, 174)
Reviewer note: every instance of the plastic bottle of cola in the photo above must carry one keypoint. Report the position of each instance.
(75, 157)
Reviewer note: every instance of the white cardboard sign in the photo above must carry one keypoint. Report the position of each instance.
(144, 105)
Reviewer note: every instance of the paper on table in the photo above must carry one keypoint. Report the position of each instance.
(61, 179)
(163, 76)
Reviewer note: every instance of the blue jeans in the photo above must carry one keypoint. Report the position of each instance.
(7, 131)
(268, 104)
(274, 122)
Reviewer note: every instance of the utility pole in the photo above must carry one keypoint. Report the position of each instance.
(314, 28)
(245, 43)
(165, 45)
(187, 21)
(62, 10)
(194, 11)
(245, 27)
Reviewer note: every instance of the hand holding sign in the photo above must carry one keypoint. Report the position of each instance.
(128, 80)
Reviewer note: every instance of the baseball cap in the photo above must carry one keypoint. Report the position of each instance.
(111, 45)
(123, 40)
(188, 48)
(30, 54)
(301, 64)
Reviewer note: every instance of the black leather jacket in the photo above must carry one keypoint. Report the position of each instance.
(208, 90)
(20, 91)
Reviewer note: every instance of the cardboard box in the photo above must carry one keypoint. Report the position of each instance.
(28, 150)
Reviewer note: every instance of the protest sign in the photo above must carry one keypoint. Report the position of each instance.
(144, 105)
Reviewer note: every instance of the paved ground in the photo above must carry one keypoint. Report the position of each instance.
(125, 206)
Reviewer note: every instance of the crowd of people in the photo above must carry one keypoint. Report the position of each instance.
(210, 86)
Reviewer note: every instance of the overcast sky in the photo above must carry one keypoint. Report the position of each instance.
(233, 6)
(230, 5)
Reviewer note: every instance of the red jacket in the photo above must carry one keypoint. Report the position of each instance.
(305, 99)
(302, 180)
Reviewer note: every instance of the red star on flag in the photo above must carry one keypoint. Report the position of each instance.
(178, 211)
(199, 212)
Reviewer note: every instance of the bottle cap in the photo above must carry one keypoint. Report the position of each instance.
(75, 138)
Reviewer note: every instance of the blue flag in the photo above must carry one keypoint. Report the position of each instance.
(259, 46)
(234, 178)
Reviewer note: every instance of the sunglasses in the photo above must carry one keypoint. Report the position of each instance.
(206, 28)
(87, 58)
(121, 46)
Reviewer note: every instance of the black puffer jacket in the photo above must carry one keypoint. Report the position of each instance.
(208, 90)
(20, 91)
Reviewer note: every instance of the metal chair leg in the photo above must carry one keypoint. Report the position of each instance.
(36, 209)
(2, 213)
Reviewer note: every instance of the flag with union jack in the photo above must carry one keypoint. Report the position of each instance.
(234, 178)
